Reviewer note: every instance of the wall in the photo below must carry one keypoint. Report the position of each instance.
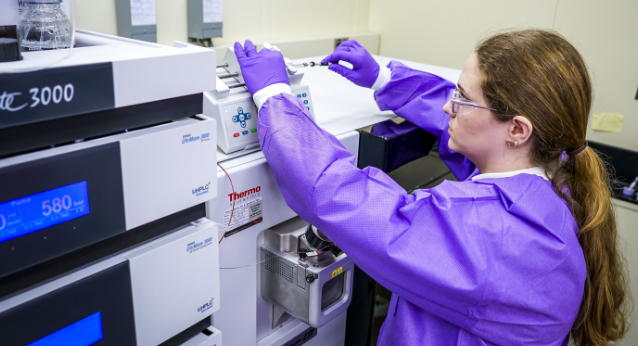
(310, 47)
(259, 20)
(605, 32)
(437, 33)
(96, 15)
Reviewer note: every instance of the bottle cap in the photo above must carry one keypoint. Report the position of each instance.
(9, 49)
(8, 31)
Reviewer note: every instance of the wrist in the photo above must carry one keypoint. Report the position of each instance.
(262, 95)
(385, 74)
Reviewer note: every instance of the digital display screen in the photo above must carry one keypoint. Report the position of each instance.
(84, 332)
(32, 213)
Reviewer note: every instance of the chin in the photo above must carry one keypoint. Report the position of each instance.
(452, 145)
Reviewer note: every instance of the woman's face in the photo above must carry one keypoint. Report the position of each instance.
(478, 135)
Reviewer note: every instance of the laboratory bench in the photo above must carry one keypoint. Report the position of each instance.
(623, 167)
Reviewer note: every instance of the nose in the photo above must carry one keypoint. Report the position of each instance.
(447, 108)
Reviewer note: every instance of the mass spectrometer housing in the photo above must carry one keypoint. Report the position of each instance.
(315, 288)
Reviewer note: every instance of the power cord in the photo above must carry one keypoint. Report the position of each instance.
(233, 209)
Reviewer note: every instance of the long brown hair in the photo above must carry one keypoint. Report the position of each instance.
(539, 75)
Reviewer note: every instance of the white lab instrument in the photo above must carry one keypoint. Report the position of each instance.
(234, 109)
(111, 84)
(129, 180)
(110, 163)
(142, 297)
(175, 282)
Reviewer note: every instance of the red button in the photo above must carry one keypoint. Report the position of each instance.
(235, 134)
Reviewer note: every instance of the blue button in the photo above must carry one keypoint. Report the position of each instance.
(304, 95)
(308, 108)
(305, 102)
(244, 133)
(299, 95)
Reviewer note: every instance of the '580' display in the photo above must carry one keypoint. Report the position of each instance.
(32, 213)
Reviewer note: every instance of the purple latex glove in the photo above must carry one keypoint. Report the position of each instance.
(260, 69)
(365, 69)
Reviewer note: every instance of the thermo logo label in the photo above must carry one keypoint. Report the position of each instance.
(247, 213)
(235, 196)
(337, 271)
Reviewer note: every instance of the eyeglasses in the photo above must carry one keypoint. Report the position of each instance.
(461, 105)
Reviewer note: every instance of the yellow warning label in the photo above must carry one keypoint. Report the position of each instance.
(337, 271)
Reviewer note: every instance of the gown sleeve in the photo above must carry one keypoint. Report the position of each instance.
(419, 97)
(387, 232)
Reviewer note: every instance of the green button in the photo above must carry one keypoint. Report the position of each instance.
(253, 130)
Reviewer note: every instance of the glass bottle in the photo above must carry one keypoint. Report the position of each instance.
(44, 26)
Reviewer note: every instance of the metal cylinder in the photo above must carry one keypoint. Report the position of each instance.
(316, 239)
(231, 75)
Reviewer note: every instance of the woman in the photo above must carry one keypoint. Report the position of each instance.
(521, 251)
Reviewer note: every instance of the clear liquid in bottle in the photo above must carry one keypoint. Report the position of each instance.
(44, 26)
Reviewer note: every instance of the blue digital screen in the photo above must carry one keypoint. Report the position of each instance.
(32, 213)
(84, 332)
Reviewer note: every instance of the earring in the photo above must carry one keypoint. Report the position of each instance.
(511, 144)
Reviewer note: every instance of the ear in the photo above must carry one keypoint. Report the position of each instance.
(520, 129)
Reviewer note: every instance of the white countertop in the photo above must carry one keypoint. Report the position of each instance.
(340, 106)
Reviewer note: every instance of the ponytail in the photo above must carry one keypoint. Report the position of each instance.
(601, 318)
(540, 75)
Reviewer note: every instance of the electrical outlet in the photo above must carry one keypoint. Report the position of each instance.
(339, 40)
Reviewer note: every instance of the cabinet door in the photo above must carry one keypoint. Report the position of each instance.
(627, 219)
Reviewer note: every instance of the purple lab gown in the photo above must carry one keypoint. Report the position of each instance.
(486, 262)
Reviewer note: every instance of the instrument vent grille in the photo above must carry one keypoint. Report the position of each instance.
(276, 266)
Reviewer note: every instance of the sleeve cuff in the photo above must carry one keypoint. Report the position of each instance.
(382, 79)
(262, 95)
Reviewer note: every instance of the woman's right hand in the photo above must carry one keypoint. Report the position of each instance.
(365, 69)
